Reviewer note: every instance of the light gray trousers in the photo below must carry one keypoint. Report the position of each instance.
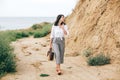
(59, 48)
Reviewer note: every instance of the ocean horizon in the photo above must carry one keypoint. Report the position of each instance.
(14, 23)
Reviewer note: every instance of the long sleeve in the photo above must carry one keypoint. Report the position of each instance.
(52, 32)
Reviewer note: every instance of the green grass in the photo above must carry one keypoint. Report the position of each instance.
(7, 62)
(43, 32)
(39, 26)
(14, 35)
(40, 30)
(36, 26)
(8, 35)
(21, 34)
(98, 60)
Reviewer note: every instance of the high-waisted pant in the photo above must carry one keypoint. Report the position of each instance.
(59, 48)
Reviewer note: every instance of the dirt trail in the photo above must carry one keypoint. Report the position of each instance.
(32, 61)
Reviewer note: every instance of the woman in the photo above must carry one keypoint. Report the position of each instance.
(57, 40)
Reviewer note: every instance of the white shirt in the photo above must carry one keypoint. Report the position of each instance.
(56, 31)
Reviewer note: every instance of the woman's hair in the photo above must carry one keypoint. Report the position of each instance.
(57, 20)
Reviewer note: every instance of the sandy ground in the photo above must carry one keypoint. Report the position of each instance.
(32, 61)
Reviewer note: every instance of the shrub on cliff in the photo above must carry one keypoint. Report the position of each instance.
(99, 59)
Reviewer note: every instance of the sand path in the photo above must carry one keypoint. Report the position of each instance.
(32, 61)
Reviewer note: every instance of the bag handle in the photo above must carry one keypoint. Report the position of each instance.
(50, 50)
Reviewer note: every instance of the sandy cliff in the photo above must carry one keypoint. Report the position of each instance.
(95, 24)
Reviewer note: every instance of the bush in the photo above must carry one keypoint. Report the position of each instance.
(36, 26)
(7, 62)
(41, 33)
(99, 59)
(21, 35)
(38, 34)
(31, 32)
(40, 26)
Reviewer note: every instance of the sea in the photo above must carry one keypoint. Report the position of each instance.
(15, 23)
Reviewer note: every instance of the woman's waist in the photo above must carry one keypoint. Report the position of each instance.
(61, 38)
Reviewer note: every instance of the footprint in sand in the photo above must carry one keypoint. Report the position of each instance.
(37, 64)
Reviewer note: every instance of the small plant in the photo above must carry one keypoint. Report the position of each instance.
(87, 52)
(99, 59)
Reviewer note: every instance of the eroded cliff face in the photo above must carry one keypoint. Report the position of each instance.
(95, 24)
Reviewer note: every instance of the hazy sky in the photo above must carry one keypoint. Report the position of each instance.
(35, 8)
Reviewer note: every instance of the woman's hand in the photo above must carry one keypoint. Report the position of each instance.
(50, 45)
(62, 27)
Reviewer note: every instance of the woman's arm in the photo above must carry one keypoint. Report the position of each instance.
(65, 29)
(50, 42)
(51, 36)
(65, 32)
